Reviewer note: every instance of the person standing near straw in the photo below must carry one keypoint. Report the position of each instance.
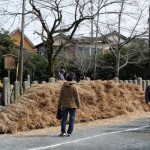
(147, 96)
(61, 75)
(69, 100)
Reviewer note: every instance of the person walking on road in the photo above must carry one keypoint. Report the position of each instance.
(69, 100)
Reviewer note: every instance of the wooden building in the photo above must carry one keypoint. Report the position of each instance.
(16, 36)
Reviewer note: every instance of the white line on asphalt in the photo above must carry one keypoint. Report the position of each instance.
(90, 137)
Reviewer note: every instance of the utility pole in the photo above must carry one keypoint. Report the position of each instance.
(21, 46)
(94, 63)
(91, 20)
(118, 42)
(149, 46)
(149, 33)
(96, 44)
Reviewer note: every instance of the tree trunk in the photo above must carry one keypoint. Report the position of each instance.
(52, 69)
(118, 44)
(117, 63)
(51, 61)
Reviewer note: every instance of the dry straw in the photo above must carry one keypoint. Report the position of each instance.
(37, 107)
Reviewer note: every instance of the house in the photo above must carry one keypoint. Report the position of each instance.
(16, 36)
(74, 46)
(110, 40)
(103, 43)
(69, 48)
(85, 45)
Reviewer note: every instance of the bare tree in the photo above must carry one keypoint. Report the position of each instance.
(56, 9)
(84, 61)
(123, 58)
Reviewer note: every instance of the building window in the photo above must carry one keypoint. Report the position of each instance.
(87, 51)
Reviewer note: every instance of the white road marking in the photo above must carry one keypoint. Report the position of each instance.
(90, 137)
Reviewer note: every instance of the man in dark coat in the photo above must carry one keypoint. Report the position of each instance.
(147, 96)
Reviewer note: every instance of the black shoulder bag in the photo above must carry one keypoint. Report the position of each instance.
(59, 114)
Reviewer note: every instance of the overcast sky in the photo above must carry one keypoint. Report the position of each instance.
(10, 23)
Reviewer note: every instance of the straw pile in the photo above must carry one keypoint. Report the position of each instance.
(37, 107)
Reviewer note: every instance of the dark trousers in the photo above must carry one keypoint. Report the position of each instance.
(72, 113)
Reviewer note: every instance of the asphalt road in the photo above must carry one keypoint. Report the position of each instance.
(134, 135)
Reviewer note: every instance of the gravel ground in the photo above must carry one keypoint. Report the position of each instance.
(101, 122)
